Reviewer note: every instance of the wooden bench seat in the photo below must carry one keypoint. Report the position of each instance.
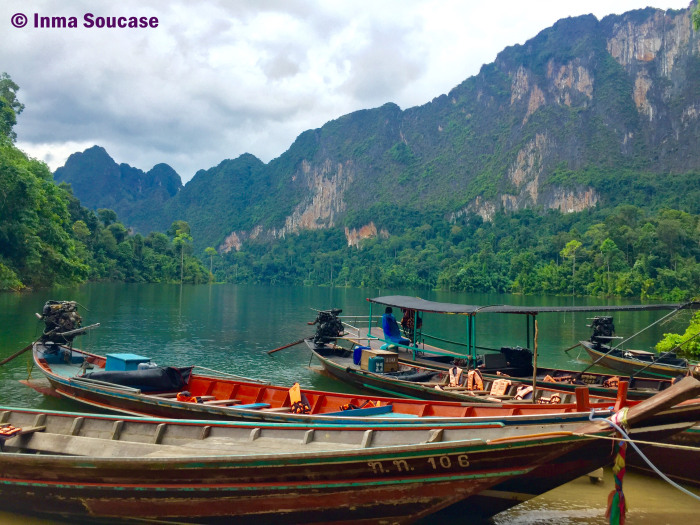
(222, 402)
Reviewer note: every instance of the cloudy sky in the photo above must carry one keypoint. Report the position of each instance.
(218, 78)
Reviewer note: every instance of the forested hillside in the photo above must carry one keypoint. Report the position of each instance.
(47, 237)
(568, 165)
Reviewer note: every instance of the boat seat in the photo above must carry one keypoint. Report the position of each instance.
(369, 411)
(278, 409)
(255, 406)
(222, 402)
(18, 431)
(165, 394)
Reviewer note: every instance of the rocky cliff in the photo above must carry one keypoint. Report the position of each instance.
(563, 122)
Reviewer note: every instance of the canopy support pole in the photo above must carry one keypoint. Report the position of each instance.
(369, 325)
(534, 365)
(527, 327)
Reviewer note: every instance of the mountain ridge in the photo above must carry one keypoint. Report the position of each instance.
(583, 108)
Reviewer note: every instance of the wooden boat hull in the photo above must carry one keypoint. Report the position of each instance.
(599, 354)
(114, 469)
(564, 380)
(114, 398)
(673, 461)
(546, 477)
(101, 467)
(341, 368)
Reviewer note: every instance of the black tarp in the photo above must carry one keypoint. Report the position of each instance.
(156, 379)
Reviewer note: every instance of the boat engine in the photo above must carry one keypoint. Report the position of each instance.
(603, 329)
(329, 326)
(60, 317)
(518, 358)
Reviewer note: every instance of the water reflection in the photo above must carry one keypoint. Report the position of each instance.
(650, 501)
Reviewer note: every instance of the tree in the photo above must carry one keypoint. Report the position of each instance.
(607, 249)
(211, 252)
(10, 107)
(182, 239)
(177, 228)
(696, 17)
(107, 216)
(688, 343)
(569, 252)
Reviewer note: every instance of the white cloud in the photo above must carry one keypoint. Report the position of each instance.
(220, 78)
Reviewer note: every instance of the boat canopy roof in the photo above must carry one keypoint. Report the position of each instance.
(416, 303)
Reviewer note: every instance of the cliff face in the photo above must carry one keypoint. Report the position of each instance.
(541, 127)
(617, 92)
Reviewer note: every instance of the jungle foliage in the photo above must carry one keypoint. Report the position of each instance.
(625, 251)
(47, 237)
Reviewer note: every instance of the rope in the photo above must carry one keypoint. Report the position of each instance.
(642, 442)
(641, 454)
(617, 506)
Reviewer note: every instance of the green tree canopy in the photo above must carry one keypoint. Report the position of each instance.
(10, 107)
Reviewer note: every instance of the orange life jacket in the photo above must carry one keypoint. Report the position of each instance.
(455, 376)
(474, 380)
(522, 391)
(612, 382)
(300, 405)
(9, 431)
(186, 397)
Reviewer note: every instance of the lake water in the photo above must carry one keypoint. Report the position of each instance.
(231, 327)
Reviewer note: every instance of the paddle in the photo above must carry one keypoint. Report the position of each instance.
(285, 346)
(572, 347)
(17, 354)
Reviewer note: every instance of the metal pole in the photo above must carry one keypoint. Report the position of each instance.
(534, 366)
(473, 323)
(527, 326)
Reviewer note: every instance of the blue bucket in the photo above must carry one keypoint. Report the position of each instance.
(357, 354)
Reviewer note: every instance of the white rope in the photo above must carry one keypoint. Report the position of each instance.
(642, 442)
(653, 467)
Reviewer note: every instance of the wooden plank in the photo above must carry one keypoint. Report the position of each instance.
(222, 402)
(370, 411)
(29, 430)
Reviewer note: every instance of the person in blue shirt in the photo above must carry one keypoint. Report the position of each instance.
(392, 333)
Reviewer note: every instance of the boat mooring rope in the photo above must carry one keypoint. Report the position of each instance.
(627, 439)
(642, 442)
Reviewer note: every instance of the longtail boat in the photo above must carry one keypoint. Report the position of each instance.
(635, 362)
(672, 454)
(158, 392)
(421, 382)
(117, 468)
(515, 362)
(132, 384)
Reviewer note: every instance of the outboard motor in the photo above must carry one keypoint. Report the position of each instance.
(329, 326)
(518, 358)
(60, 317)
(603, 330)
